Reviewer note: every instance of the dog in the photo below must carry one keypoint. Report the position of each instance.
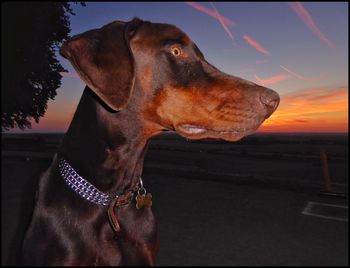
(142, 79)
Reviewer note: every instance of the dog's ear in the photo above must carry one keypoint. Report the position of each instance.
(104, 61)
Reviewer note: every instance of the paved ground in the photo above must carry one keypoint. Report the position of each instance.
(203, 222)
(208, 223)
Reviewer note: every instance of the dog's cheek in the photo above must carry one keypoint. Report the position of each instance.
(184, 73)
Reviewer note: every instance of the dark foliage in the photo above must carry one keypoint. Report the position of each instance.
(31, 33)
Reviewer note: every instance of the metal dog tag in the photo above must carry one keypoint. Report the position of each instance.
(143, 199)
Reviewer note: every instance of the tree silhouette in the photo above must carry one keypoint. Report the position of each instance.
(31, 33)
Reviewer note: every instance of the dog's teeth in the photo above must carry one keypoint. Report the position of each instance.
(196, 130)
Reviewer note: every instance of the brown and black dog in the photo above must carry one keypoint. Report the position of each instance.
(142, 79)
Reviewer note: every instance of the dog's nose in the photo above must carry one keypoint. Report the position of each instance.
(270, 99)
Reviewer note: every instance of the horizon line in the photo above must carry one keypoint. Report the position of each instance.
(173, 132)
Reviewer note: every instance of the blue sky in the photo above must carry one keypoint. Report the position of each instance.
(274, 25)
(297, 60)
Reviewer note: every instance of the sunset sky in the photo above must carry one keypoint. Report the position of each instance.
(298, 49)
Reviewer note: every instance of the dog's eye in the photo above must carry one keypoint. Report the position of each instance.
(176, 51)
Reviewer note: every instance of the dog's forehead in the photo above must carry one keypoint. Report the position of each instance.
(157, 33)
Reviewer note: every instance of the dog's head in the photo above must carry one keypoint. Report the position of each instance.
(156, 71)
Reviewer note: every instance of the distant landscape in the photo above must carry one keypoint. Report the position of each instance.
(289, 156)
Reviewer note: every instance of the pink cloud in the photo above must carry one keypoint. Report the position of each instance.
(317, 94)
(256, 45)
(305, 16)
(219, 17)
(211, 13)
(299, 76)
(338, 93)
(70, 75)
(271, 80)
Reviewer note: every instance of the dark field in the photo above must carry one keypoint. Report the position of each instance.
(244, 199)
(290, 160)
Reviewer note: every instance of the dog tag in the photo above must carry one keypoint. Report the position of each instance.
(143, 199)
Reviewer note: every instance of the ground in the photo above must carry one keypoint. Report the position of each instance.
(216, 203)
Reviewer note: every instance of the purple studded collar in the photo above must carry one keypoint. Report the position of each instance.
(84, 188)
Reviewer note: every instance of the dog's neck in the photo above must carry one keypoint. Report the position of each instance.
(106, 148)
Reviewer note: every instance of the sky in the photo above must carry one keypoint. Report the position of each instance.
(298, 49)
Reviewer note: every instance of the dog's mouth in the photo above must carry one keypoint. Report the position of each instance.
(198, 132)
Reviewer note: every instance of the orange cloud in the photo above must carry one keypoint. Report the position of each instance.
(211, 13)
(305, 16)
(311, 110)
(301, 120)
(70, 75)
(255, 44)
(315, 94)
(271, 80)
(299, 76)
